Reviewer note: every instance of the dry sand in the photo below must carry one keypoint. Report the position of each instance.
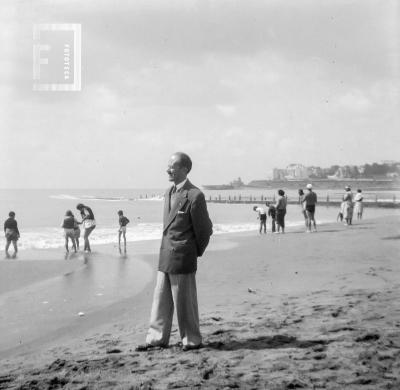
(293, 311)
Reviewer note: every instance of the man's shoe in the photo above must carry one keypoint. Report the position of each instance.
(191, 347)
(148, 347)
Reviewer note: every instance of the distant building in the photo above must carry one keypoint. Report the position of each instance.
(296, 171)
(278, 174)
(315, 172)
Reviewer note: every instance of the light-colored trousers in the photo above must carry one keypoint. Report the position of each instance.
(177, 290)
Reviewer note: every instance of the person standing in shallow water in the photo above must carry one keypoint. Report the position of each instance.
(12, 233)
(186, 232)
(123, 221)
(348, 206)
(310, 201)
(69, 232)
(280, 211)
(89, 223)
(272, 214)
(262, 216)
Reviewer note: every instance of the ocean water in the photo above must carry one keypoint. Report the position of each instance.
(40, 213)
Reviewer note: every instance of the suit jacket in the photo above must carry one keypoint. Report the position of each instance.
(187, 230)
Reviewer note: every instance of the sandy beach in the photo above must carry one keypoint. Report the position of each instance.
(311, 311)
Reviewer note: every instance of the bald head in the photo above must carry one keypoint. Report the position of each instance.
(179, 166)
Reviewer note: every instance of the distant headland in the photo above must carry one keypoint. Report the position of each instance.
(376, 175)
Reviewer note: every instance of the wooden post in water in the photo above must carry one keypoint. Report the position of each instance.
(240, 198)
(219, 198)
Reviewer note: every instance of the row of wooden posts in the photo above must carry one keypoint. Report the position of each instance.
(327, 201)
(262, 199)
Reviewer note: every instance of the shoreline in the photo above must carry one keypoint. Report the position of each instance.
(294, 221)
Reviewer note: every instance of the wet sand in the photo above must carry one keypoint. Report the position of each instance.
(277, 312)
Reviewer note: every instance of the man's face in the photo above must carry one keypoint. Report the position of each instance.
(176, 172)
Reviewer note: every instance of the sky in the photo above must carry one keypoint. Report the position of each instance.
(241, 86)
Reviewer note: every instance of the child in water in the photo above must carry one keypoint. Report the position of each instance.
(123, 221)
(272, 214)
(69, 233)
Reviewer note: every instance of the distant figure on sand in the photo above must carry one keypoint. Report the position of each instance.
(281, 211)
(272, 214)
(69, 232)
(12, 233)
(262, 216)
(358, 204)
(348, 206)
(123, 221)
(89, 223)
(186, 233)
(302, 205)
(310, 201)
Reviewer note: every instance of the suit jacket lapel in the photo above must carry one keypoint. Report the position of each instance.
(180, 201)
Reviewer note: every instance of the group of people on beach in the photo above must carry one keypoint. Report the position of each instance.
(351, 205)
(72, 230)
(307, 202)
(277, 211)
(71, 226)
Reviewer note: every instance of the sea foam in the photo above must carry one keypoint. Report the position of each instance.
(51, 238)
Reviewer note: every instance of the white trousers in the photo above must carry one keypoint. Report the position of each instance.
(177, 290)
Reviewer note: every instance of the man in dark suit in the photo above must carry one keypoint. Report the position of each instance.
(186, 233)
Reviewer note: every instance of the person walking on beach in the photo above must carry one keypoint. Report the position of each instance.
(348, 206)
(281, 211)
(12, 233)
(89, 223)
(123, 221)
(69, 232)
(310, 201)
(262, 216)
(358, 202)
(186, 234)
(272, 214)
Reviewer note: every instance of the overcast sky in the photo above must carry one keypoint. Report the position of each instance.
(241, 86)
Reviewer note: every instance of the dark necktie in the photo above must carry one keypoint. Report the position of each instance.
(173, 198)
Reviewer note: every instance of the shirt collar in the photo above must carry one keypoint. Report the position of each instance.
(180, 185)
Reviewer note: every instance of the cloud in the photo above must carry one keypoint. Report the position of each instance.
(355, 101)
(226, 110)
